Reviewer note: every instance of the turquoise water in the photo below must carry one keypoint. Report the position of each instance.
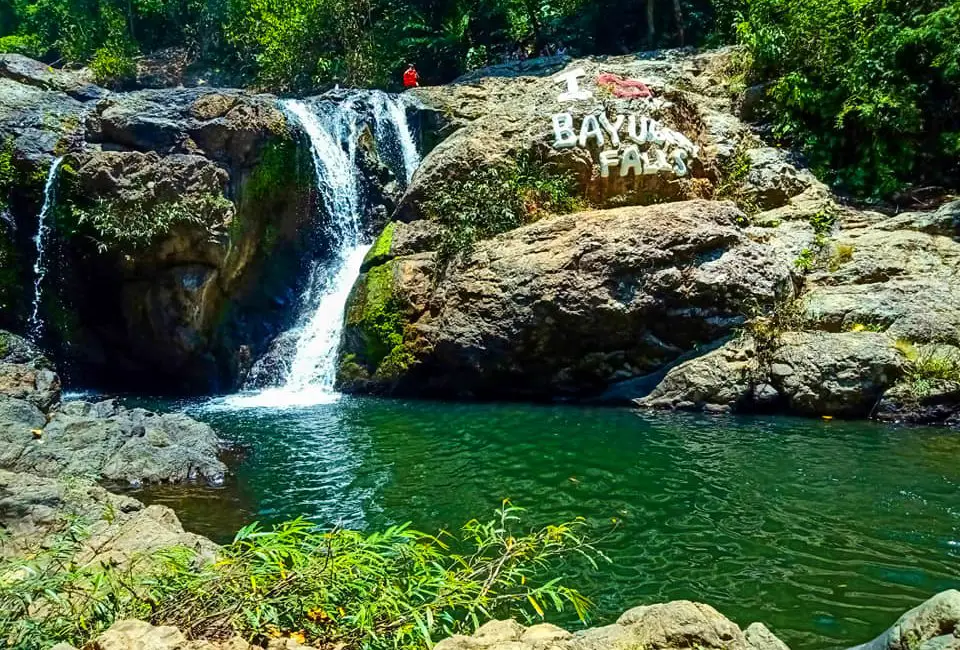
(825, 531)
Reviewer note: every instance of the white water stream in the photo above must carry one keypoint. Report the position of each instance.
(35, 323)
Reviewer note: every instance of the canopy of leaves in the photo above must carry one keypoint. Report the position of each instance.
(299, 45)
(869, 89)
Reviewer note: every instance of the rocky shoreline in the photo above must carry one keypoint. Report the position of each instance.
(731, 281)
(53, 456)
(104, 441)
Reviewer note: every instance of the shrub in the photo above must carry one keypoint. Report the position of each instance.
(874, 104)
(398, 588)
(928, 364)
(133, 225)
(113, 66)
(493, 200)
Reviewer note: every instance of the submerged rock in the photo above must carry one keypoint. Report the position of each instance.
(934, 625)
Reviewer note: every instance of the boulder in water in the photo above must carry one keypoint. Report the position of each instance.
(567, 305)
(933, 625)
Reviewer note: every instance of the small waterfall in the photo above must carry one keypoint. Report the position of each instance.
(309, 374)
(390, 123)
(35, 324)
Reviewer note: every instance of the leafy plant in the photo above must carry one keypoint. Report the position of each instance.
(842, 253)
(398, 588)
(805, 260)
(493, 200)
(133, 225)
(873, 105)
(733, 174)
(928, 364)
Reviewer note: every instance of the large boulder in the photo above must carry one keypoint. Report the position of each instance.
(109, 442)
(933, 625)
(121, 529)
(566, 305)
(835, 374)
(78, 84)
(677, 625)
(806, 373)
(897, 274)
(497, 114)
(26, 374)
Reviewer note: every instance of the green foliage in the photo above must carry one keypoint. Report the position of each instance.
(128, 226)
(9, 285)
(927, 365)
(493, 200)
(298, 45)
(47, 596)
(806, 260)
(867, 327)
(398, 588)
(733, 174)
(113, 66)
(8, 173)
(278, 179)
(874, 105)
(767, 327)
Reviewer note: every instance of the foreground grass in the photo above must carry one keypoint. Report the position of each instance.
(398, 588)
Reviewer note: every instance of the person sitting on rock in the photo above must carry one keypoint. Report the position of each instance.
(411, 78)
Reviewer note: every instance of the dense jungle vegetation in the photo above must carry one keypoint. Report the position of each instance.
(869, 89)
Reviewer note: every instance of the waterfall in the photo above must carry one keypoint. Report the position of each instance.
(308, 372)
(35, 324)
(390, 122)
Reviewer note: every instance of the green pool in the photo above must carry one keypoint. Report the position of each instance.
(825, 531)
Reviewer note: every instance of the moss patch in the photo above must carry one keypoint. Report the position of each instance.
(376, 313)
(379, 253)
(8, 271)
(279, 177)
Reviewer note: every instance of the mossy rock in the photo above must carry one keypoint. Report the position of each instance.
(10, 289)
(379, 253)
(377, 344)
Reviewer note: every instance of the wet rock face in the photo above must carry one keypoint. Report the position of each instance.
(181, 215)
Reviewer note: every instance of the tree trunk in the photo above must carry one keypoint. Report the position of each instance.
(678, 16)
(534, 18)
(651, 28)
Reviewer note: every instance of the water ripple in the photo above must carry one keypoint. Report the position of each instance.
(824, 531)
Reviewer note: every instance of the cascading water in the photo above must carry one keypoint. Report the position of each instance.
(333, 130)
(35, 324)
(390, 123)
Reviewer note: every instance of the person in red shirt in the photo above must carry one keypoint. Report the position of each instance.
(411, 78)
